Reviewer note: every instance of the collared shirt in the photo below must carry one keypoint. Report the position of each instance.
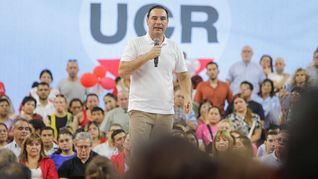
(240, 71)
(74, 168)
(271, 160)
(151, 88)
(13, 146)
(52, 150)
(105, 150)
(46, 110)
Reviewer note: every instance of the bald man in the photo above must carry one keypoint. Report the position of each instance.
(245, 70)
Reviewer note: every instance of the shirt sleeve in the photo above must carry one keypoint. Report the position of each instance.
(52, 173)
(180, 61)
(130, 52)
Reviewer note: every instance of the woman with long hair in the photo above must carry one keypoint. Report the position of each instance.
(222, 143)
(93, 129)
(244, 120)
(33, 156)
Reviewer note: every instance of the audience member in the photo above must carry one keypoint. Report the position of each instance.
(118, 115)
(15, 170)
(4, 112)
(266, 63)
(270, 103)
(33, 156)
(3, 135)
(98, 115)
(214, 90)
(36, 126)
(179, 114)
(71, 87)
(222, 143)
(244, 120)
(28, 107)
(121, 161)
(75, 106)
(65, 151)
(245, 70)
(92, 128)
(312, 69)
(21, 129)
(60, 118)
(268, 146)
(6, 157)
(75, 167)
(110, 102)
(47, 136)
(280, 77)
(100, 168)
(44, 107)
(82, 118)
(46, 76)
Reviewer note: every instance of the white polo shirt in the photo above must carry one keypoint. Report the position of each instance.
(13, 146)
(151, 88)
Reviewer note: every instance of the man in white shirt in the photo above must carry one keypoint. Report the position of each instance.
(151, 61)
(44, 107)
(21, 129)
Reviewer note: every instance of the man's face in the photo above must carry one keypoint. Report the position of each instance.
(245, 90)
(43, 92)
(123, 100)
(21, 130)
(279, 65)
(4, 108)
(83, 148)
(281, 141)
(29, 107)
(111, 130)
(98, 116)
(247, 54)
(47, 137)
(212, 71)
(315, 60)
(72, 69)
(119, 140)
(270, 143)
(178, 99)
(157, 22)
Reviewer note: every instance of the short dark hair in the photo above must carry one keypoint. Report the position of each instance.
(48, 72)
(111, 95)
(270, 133)
(47, 128)
(43, 84)
(37, 124)
(64, 131)
(96, 108)
(15, 170)
(212, 63)
(115, 132)
(247, 83)
(157, 7)
(27, 99)
(91, 94)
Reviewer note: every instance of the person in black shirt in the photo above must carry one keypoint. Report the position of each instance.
(246, 89)
(75, 167)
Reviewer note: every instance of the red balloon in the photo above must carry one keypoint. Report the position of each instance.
(88, 80)
(107, 83)
(100, 71)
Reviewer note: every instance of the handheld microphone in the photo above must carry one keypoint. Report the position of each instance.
(156, 60)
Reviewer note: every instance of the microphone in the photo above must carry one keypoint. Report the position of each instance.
(156, 60)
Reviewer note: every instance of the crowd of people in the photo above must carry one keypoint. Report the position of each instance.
(64, 132)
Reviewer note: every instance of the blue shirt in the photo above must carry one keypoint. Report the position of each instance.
(241, 71)
(59, 159)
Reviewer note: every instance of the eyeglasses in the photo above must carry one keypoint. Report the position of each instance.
(81, 147)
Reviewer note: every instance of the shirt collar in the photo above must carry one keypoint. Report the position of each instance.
(151, 42)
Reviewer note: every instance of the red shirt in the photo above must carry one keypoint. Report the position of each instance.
(119, 163)
(216, 95)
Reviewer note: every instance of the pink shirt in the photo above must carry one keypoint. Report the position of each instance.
(203, 133)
